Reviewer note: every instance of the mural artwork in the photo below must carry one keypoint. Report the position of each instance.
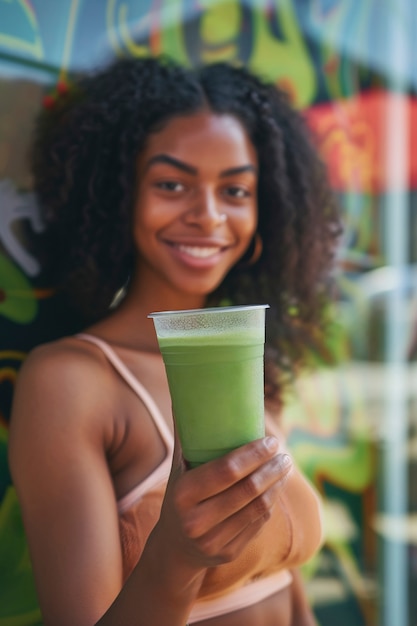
(329, 55)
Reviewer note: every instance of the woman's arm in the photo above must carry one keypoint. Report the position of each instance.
(57, 453)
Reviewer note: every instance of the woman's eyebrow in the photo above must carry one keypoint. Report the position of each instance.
(232, 171)
(165, 158)
(189, 169)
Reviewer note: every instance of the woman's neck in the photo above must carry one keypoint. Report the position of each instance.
(128, 325)
(146, 294)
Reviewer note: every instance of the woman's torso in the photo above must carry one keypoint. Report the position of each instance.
(139, 450)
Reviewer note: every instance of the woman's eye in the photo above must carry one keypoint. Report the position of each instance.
(237, 192)
(170, 185)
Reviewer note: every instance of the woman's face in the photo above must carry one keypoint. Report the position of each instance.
(196, 207)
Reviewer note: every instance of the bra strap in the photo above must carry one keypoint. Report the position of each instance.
(135, 384)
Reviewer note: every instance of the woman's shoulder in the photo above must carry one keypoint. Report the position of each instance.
(66, 379)
(66, 357)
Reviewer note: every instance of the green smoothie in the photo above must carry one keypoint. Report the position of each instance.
(217, 389)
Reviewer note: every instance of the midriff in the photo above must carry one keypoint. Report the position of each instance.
(273, 611)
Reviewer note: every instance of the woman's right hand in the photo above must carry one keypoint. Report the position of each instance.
(211, 512)
(208, 516)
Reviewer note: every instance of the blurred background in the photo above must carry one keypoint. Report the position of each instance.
(351, 68)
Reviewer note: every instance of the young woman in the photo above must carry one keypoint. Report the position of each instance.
(179, 189)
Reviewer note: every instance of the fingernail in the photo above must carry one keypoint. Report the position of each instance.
(284, 461)
(272, 444)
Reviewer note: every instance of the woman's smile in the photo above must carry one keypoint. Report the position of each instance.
(198, 253)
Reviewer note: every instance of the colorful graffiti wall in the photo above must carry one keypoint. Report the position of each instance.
(341, 64)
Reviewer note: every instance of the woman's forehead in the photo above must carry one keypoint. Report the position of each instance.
(203, 135)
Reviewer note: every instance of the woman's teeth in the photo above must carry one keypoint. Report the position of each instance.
(198, 252)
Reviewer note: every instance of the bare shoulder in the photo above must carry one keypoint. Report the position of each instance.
(67, 368)
(65, 390)
(62, 353)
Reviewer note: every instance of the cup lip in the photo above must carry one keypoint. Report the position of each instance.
(214, 309)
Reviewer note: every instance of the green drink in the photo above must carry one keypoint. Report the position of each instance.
(214, 360)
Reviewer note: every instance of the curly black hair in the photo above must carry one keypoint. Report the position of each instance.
(84, 164)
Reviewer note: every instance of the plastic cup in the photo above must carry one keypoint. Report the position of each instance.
(214, 361)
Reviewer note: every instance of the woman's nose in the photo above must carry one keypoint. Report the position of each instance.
(206, 211)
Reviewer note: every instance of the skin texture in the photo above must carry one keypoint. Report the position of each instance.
(80, 439)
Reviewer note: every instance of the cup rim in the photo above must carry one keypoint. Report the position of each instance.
(214, 309)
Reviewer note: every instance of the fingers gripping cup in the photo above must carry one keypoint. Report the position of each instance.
(214, 360)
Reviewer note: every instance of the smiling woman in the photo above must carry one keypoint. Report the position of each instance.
(185, 189)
